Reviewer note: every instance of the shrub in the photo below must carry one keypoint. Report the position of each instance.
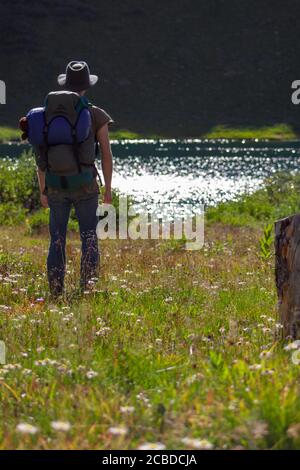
(19, 194)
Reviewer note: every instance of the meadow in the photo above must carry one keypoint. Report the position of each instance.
(170, 348)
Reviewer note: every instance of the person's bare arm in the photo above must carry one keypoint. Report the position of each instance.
(107, 161)
(41, 179)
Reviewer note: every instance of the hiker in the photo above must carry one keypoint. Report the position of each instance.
(66, 169)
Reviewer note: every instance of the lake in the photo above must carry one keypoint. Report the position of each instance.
(185, 173)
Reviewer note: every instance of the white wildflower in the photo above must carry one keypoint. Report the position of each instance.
(26, 428)
(265, 354)
(103, 331)
(202, 444)
(63, 426)
(12, 366)
(293, 345)
(268, 372)
(118, 430)
(127, 409)
(255, 367)
(152, 446)
(91, 374)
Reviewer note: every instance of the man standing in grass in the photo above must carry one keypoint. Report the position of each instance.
(67, 174)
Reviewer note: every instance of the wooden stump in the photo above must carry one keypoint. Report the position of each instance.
(287, 272)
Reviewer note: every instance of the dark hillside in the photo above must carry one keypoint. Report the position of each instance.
(170, 67)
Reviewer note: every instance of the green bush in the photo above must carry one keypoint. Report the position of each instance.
(12, 213)
(20, 197)
(18, 182)
(277, 199)
(39, 219)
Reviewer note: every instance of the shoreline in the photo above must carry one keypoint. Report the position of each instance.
(276, 133)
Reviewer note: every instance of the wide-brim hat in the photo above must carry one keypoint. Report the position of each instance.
(77, 76)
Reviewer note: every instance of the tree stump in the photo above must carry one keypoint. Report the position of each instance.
(287, 273)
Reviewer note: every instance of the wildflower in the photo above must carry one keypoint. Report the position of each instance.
(26, 428)
(103, 331)
(205, 339)
(152, 446)
(62, 368)
(255, 367)
(68, 317)
(12, 366)
(232, 405)
(118, 431)
(259, 429)
(5, 307)
(265, 354)
(266, 330)
(294, 431)
(201, 444)
(46, 362)
(127, 409)
(141, 396)
(63, 426)
(193, 378)
(293, 345)
(268, 372)
(91, 374)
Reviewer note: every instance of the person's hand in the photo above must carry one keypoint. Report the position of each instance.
(44, 200)
(107, 199)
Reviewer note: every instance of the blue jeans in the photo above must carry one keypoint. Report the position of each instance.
(60, 202)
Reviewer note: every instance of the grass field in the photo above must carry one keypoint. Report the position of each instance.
(171, 349)
(172, 345)
(275, 132)
(8, 134)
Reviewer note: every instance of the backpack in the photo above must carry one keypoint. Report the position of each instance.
(64, 128)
